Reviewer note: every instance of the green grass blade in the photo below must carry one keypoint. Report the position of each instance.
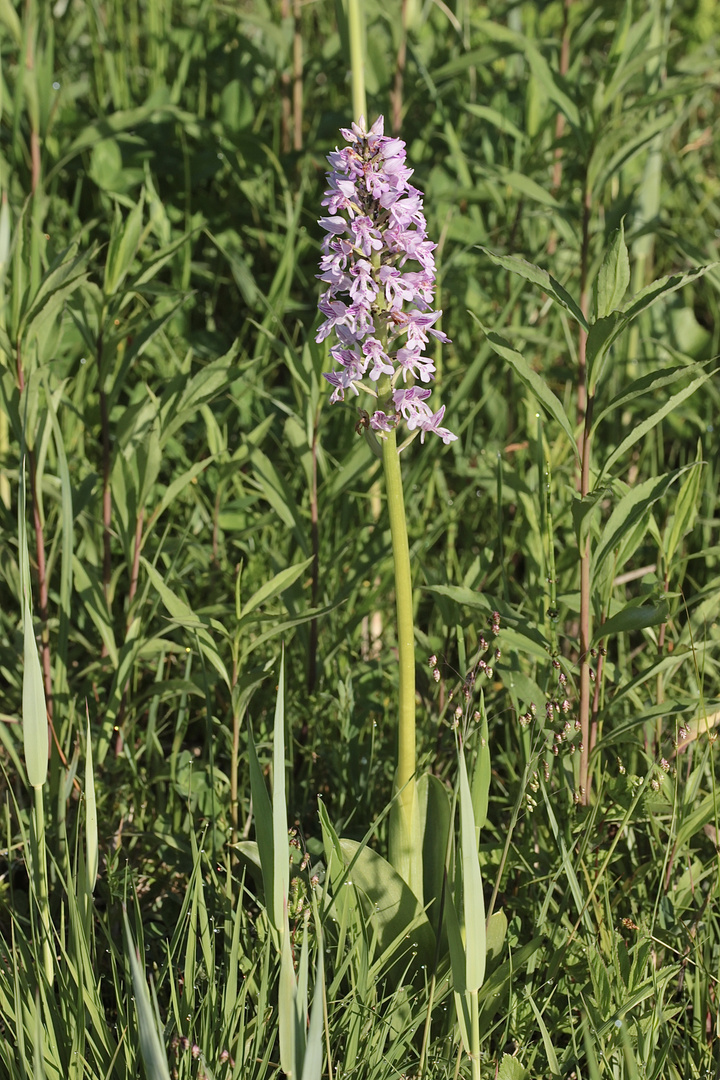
(281, 848)
(151, 1045)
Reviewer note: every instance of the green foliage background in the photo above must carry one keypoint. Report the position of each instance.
(193, 503)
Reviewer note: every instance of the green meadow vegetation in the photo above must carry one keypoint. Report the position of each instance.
(198, 642)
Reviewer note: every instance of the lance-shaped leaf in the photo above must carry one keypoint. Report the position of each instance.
(535, 384)
(149, 1026)
(271, 817)
(614, 276)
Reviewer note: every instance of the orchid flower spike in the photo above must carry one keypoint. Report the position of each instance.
(379, 269)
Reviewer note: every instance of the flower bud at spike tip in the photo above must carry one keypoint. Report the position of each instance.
(379, 269)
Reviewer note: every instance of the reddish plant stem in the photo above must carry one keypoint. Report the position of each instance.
(584, 417)
(584, 305)
(41, 568)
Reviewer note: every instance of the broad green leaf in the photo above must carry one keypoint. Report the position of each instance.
(635, 616)
(312, 1065)
(9, 18)
(537, 386)
(60, 685)
(584, 514)
(275, 586)
(90, 594)
(287, 995)
(275, 489)
(34, 718)
(149, 1027)
(91, 821)
(281, 850)
(263, 816)
(539, 277)
(34, 709)
(686, 507)
(180, 482)
(496, 932)
(482, 773)
(605, 331)
(645, 387)
(641, 430)
(434, 806)
(634, 505)
(614, 275)
(472, 887)
(512, 1069)
(184, 616)
(393, 909)
(606, 162)
(122, 249)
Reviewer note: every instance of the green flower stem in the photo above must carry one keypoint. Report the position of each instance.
(405, 855)
(357, 57)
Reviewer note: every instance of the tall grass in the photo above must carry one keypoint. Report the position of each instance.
(191, 509)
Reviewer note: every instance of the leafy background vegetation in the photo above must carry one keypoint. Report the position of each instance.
(193, 504)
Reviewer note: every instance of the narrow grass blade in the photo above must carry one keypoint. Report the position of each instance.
(35, 725)
(91, 822)
(151, 1045)
(473, 899)
(312, 1065)
(281, 849)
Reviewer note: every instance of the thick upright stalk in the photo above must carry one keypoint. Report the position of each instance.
(357, 58)
(404, 856)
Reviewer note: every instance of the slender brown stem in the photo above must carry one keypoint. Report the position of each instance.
(584, 417)
(585, 620)
(41, 566)
(584, 305)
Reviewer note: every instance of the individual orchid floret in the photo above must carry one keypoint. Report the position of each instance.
(378, 267)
